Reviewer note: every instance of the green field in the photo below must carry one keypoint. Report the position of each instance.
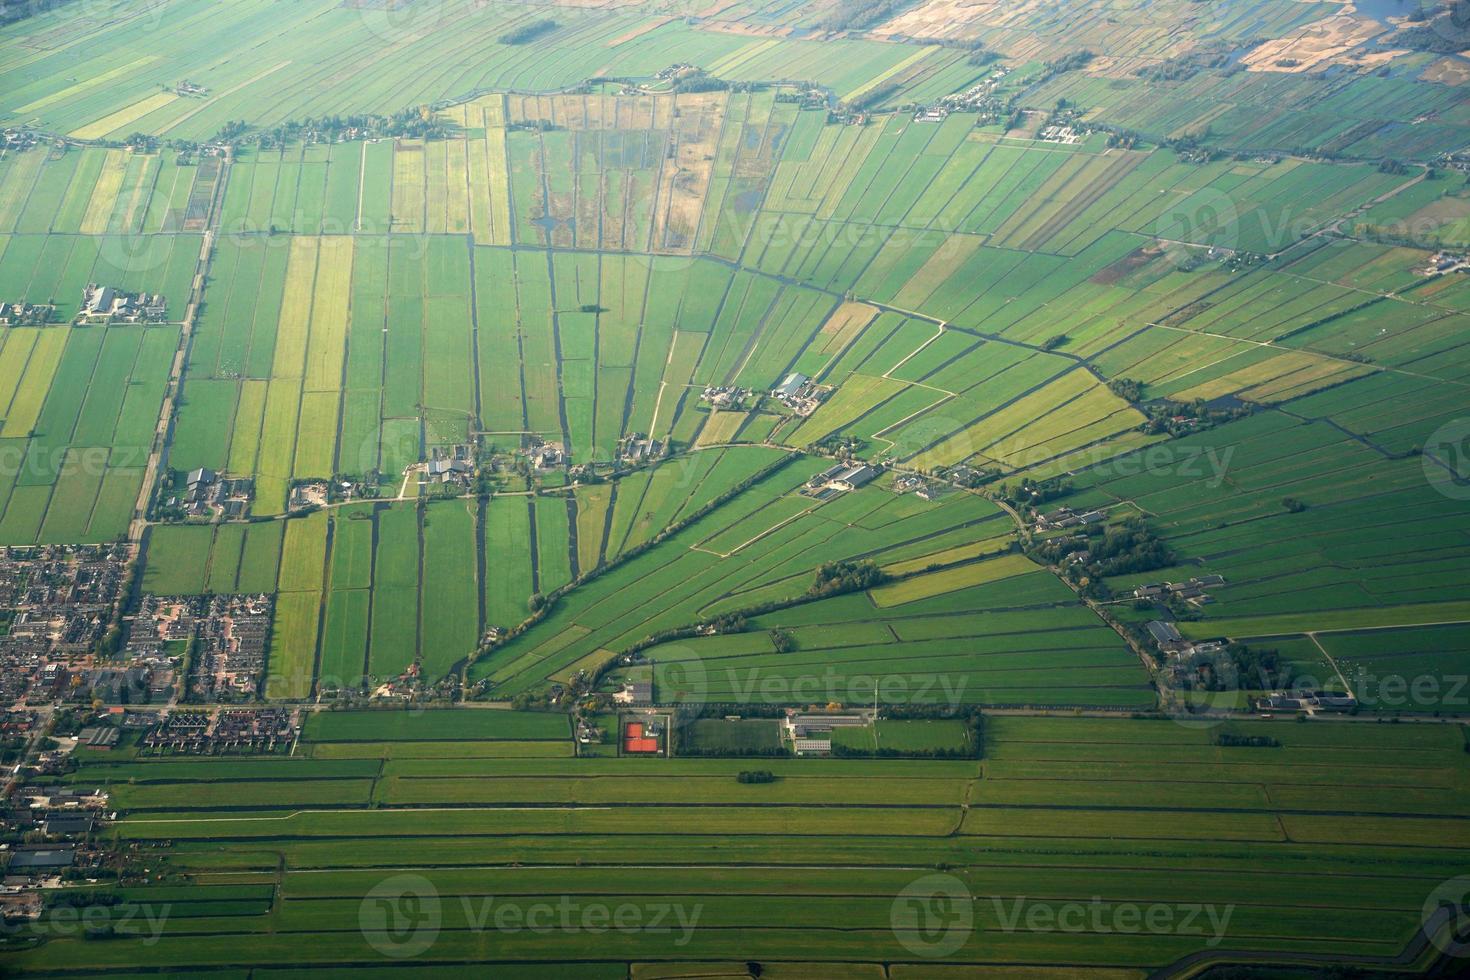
(1051, 786)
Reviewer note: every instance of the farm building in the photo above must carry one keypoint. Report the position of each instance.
(635, 692)
(106, 304)
(841, 478)
(790, 385)
(447, 470)
(811, 733)
(23, 314)
(853, 477)
(1165, 635)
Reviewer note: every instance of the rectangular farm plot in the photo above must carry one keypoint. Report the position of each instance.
(396, 726)
(451, 592)
(938, 583)
(89, 399)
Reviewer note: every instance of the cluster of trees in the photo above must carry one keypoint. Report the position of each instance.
(839, 444)
(527, 33)
(1127, 389)
(1075, 61)
(1448, 32)
(79, 899)
(858, 15)
(851, 752)
(1243, 668)
(1032, 493)
(1169, 417)
(1191, 148)
(1127, 548)
(1233, 741)
(1124, 139)
(11, 13)
(732, 622)
(416, 122)
(721, 709)
(756, 776)
(1185, 66)
(876, 96)
(735, 752)
(980, 56)
(231, 130)
(699, 82)
(1260, 668)
(841, 577)
(1122, 549)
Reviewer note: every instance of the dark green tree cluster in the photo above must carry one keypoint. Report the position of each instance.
(1233, 741)
(527, 33)
(1128, 548)
(841, 577)
(1260, 668)
(756, 776)
(1447, 32)
(857, 15)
